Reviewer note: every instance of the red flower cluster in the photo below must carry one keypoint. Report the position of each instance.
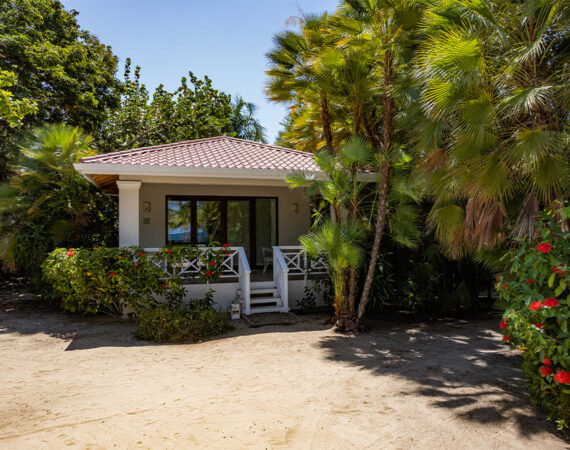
(134, 267)
(547, 362)
(209, 273)
(227, 253)
(544, 370)
(163, 284)
(559, 270)
(504, 286)
(551, 302)
(168, 251)
(506, 339)
(545, 247)
(70, 254)
(529, 281)
(226, 245)
(212, 263)
(503, 324)
(112, 274)
(535, 306)
(142, 254)
(539, 325)
(562, 377)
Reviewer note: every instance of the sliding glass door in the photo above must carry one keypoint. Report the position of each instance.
(248, 222)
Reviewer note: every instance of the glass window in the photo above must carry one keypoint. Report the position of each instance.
(265, 225)
(209, 222)
(238, 224)
(179, 223)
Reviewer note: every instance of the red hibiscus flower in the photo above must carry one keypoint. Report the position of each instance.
(551, 302)
(226, 245)
(544, 370)
(212, 263)
(547, 362)
(70, 254)
(112, 274)
(562, 377)
(558, 270)
(539, 325)
(535, 306)
(503, 324)
(529, 281)
(506, 339)
(545, 247)
(142, 254)
(209, 273)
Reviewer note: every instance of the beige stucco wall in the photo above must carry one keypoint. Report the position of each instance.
(291, 225)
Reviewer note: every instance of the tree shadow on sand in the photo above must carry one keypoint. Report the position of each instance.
(458, 365)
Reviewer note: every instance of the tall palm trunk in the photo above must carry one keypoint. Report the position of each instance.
(384, 191)
(326, 122)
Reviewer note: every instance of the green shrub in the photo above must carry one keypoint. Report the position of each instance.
(112, 279)
(535, 295)
(183, 324)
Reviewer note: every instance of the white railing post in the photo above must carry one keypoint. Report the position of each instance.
(281, 277)
(244, 279)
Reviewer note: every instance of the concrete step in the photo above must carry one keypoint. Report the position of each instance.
(264, 309)
(261, 300)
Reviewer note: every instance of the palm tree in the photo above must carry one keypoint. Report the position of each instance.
(340, 238)
(47, 203)
(496, 96)
(243, 122)
(383, 31)
(292, 74)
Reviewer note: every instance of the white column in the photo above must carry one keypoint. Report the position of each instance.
(129, 212)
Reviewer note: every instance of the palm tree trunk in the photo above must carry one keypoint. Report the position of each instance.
(384, 192)
(326, 122)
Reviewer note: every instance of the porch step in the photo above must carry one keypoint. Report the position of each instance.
(264, 309)
(262, 300)
(262, 292)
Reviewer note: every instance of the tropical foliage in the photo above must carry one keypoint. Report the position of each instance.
(535, 293)
(48, 204)
(495, 94)
(115, 280)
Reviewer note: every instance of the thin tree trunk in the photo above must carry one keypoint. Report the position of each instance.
(384, 192)
(325, 119)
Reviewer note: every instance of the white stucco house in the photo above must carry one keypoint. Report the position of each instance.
(219, 189)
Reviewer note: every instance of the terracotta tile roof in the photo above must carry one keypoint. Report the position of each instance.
(217, 152)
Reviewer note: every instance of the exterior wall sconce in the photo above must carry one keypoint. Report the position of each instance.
(295, 207)
(146, 207)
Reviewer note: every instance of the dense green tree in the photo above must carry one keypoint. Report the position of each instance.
(47, 204)
(192, 111)
(62, 69)
(12, 110)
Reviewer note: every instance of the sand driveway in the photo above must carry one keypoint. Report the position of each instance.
(86, 383)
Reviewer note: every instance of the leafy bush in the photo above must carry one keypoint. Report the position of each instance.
(186, 323)
(110, 279)
(535, 295)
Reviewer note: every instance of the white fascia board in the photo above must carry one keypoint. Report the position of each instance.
(87, 169)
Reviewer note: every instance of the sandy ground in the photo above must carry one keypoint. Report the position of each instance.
(86, 383)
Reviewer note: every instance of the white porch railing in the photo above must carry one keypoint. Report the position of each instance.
(281, 277)
(293, 259)
(299, 263)
(244, 273)
(235, 265)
